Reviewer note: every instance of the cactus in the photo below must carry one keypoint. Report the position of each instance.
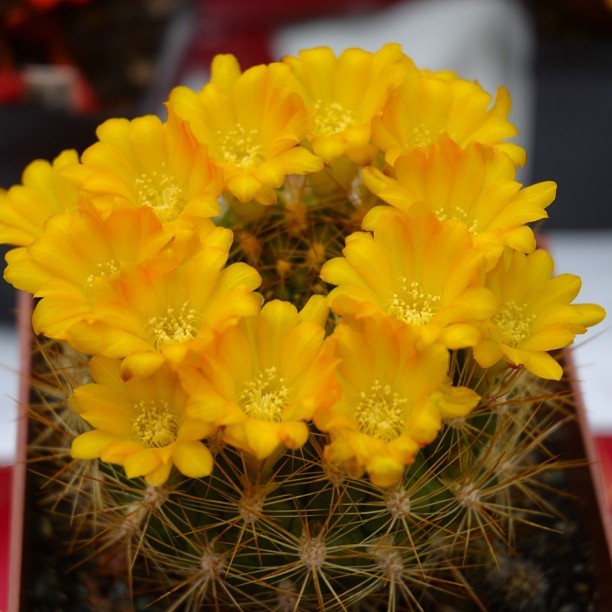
(296, 345)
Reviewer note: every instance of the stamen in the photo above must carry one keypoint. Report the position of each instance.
(161, 192)
(174, 327)
(265, 396)
(412, 305)
(420, 136)
(332, 118)
(381, 413)
(240, 148)
(106, 268)
(155, 424)
(456, 213)
(513, 323)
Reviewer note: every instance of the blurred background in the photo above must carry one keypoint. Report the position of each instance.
(65, 65)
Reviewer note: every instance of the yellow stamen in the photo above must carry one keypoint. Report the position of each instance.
(420, 136)
(513, 323)
(107, 268)
(155, 424)
(174, 327)
(332, 118)
(265, 396)
(381, 412)
(240, 148)
(412, 305)
(162, 193)
(456, 213)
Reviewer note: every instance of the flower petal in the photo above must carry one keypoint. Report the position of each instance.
(193, 459)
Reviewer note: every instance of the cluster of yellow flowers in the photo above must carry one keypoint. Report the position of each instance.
(123, 252)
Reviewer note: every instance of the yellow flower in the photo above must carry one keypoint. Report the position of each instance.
(149, 316)
(77, 251)
(474, 185)
(263, 379)
(395, 395)
(428, 105)
(420, 270)
(144, 162)
(343, 94)
(44, 191)
(252, 123)
(535, 314)
(140, 424)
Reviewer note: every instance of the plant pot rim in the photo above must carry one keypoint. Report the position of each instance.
(18, 483)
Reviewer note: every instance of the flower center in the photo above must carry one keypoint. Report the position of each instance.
(381, 412)
(175, 326)
(456, 213)
(155, 424)
(412, 305)
(239, 147)
(106, 268)
(420, 136)
(264, 396)
(332, 118)
(513, 323)
(162, 193)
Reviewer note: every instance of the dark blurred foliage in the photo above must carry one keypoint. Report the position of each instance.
(114, 43)
(572, 120)
(572, 19)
